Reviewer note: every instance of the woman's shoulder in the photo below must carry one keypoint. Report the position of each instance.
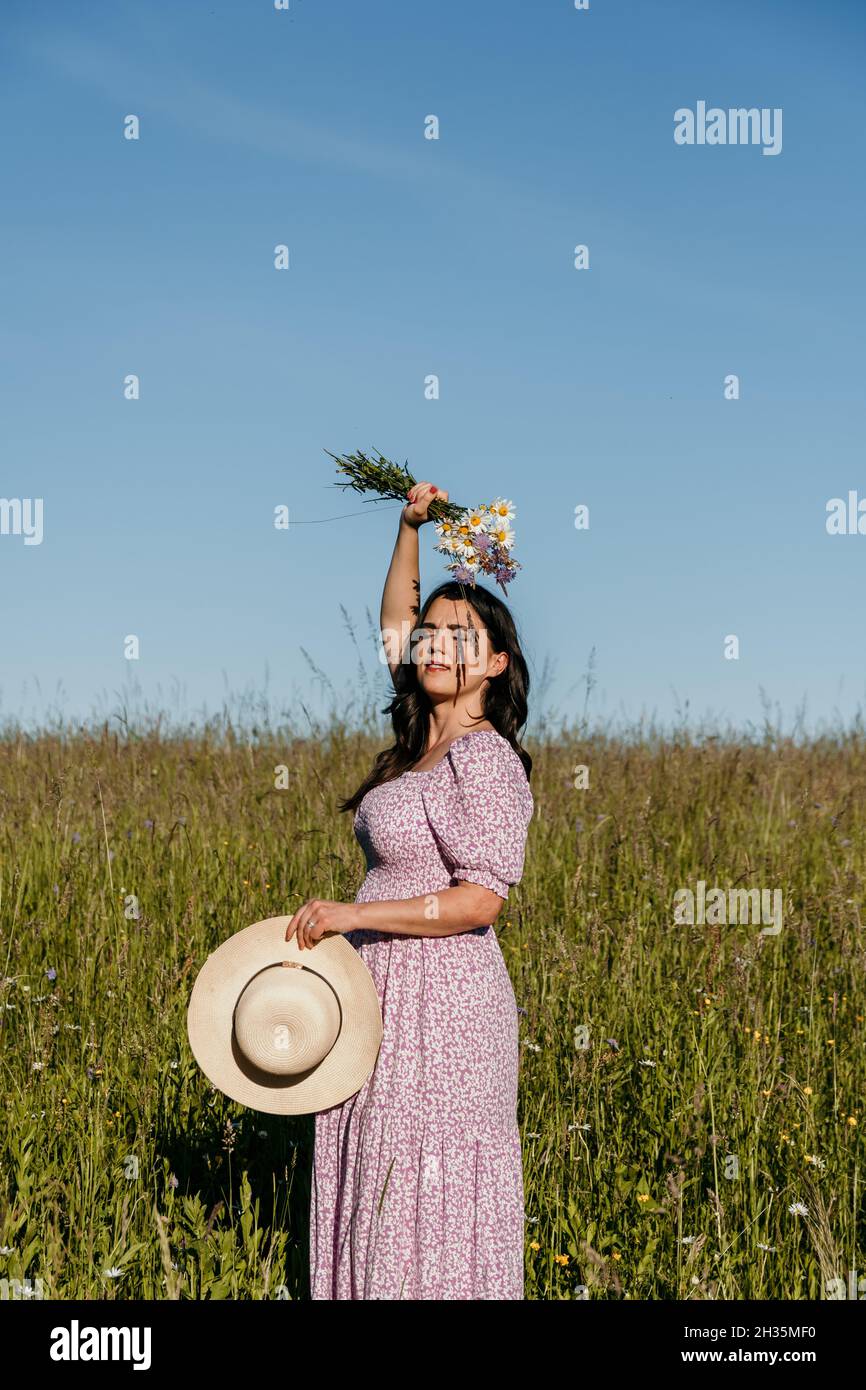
(485, 753)
(483, 743)
(480, 787)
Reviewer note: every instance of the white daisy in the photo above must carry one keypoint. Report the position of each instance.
(502, 509)
(503, 535)
(475, 520)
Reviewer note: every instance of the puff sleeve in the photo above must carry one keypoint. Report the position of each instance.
(478, 804)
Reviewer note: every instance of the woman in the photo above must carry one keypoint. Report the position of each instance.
(417, 1188)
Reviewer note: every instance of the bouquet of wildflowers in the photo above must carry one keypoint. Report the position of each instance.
(480, 541)
(476, 541)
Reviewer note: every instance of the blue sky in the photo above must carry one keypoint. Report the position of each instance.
(410, 257)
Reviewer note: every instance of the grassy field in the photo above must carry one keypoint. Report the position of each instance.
(691, 1095)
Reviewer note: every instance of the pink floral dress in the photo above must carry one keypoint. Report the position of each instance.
(417, 1189)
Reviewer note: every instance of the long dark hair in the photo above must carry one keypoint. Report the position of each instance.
(505, 696)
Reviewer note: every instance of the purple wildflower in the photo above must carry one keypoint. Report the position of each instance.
(51, 973)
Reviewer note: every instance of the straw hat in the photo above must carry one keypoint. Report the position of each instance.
(283, 1030)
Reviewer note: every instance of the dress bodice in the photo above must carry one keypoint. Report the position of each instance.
(465, 818)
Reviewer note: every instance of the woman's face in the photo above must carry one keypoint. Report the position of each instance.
(452, 650)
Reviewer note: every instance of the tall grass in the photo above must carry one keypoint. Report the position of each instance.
(682, 1087)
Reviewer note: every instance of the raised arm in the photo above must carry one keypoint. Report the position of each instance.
(401, 596)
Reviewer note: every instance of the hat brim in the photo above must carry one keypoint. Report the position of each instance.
(210, 1016)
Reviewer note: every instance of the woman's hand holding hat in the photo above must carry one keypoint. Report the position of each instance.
(281, 1035)
(317, 917)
